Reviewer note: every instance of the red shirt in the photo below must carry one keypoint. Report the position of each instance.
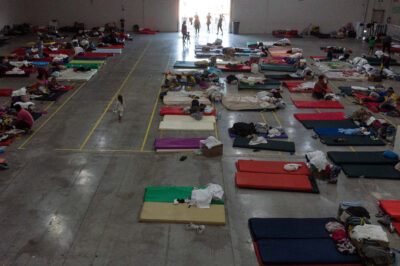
(318, 89)
(26, 117)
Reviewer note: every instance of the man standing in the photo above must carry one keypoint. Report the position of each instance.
(208, 21)
(220, 24)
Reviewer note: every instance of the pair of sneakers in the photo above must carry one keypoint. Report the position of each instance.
(199, 229)
(386, 221)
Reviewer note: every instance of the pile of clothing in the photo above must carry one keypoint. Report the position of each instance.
(378, 127)
(370, 241)
(321, 168)
(247, 129)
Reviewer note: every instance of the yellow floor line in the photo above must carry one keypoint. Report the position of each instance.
(50, 117)
(154, 109)
(351, 148)
(277, 119)
(216, 131)
(115, 96)
(263, 117)
(48, 106)
(319, 111)
(161, 133)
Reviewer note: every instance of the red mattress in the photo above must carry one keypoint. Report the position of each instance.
(117, 46)
(5, 92)
(147, 31)
(101, 55)
(318, 104)
(320, 116)
(8, 142)
(59, 51)
(391, 207)
(273, 181)
(166, 110)
(262, 264)
(397, 227)
(292, 85)
(241, 68)
(317, 56)
(370, 105)
(275, 61)
(393, 49)
(269, 167)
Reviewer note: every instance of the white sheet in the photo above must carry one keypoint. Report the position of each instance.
(69, 74)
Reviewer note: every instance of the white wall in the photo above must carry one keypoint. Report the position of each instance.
(263, 16)
(155, 14)
(11, 12)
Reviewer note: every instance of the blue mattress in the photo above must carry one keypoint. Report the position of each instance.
(284, 228)
(326, 131)
(302, 251)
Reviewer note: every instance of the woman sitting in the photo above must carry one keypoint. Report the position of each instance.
(320, 88)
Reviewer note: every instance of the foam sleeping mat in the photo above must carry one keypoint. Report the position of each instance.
(284, 182)
(5, 92)
(97, 55)
(318, 104)
(86, 58)
(378, 171)
(328, 123)
(169, 194)
(320, 116)
(180, 122)
(177, 143)
(289, 228)
(88, 65)
(257, 86)
(103, 50)
(188, 64)
(351, 140)
(360, 157)
(272, 145)
(281, 68)
(284, 76)
(302, 252)
(92, 62)
(302, 97)
(70, 74)
(164, 212)
(270, 167)
(207, 54)
(331, 131)
(391, 207)
(240, 68)
(171, 110)
(282, 136)
(293, 85)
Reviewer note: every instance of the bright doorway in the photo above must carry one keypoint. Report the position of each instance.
(189, 8)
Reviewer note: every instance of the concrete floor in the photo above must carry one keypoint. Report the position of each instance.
(76, 185)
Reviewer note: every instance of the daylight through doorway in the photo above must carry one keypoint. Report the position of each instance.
(189, 8)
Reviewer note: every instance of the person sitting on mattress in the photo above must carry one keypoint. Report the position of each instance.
(389, 102)
(320, 88)
(24, 119)
(42, 82)
(78, 50)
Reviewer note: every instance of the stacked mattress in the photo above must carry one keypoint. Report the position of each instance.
(271, 175)
(290, 241)
(159, 207)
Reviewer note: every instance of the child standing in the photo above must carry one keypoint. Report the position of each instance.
(119, 107)
(371, 45)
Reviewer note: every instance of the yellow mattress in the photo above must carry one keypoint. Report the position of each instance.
(188, 118)
(162, 212)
